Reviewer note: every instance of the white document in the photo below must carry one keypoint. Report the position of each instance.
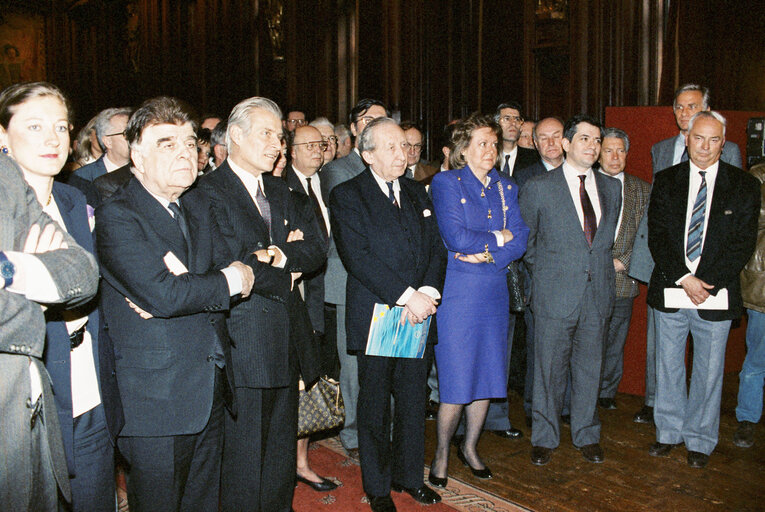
(677, 298)
(85, 395)
(174, 265)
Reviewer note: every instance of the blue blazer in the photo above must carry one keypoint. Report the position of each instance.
(73, 209)
(93, 170)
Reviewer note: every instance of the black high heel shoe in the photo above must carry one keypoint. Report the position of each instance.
(434, 480)
(484, 473)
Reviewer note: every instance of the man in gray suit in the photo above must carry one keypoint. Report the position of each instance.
(332, 174)
(572, 213)
(39, 263)
(689, 99)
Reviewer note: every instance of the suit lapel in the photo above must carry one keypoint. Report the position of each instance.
(159, 218)
(76, 223)
(245, 205)
(717, 218)
(279, 221)
(567, 202)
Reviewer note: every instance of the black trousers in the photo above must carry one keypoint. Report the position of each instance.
(401, 461)
(177, 473)
(259, 456)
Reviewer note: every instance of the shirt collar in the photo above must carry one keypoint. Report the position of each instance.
(570, 172)
(711, 171)
(384, 184)
(619, 176)
(249, 180)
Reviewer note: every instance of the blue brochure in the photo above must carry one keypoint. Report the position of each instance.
(388, 338)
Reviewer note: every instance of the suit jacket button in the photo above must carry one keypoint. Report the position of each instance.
(265, 310)
(210, 359)
(212, 321)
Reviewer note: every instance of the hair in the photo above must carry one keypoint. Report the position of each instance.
(218, 134)
(240, 116)
(618, 134)
(361, 108)
(510, 104)
(203, 135)
(693, 87)
(342, 132)
(321, 121)
(366, 139)
(709, 114)
(408, 125)
(572, 125)
(293, 108)
(159, 110)
(463, 134)
(103, 122)
(208, 115)
(536, 123)
(18, 94)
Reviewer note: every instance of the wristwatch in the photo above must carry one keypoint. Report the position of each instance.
(7, 270)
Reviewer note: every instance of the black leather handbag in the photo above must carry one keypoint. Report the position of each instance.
(515, 287)
(320, 408)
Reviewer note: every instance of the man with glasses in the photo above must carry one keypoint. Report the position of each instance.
(327, 130)
(415, 167)
(110, 132)
(333, 174)
(294, 119)
(510, 118)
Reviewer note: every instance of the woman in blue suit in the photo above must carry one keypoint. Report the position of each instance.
(34, 131)
(481, 225)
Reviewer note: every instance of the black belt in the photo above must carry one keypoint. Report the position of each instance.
(76, 337)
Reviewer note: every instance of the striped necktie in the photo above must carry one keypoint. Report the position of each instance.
(590, 221)
(391, 195)
(696, 226)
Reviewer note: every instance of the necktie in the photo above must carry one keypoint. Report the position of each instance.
(264, 207)
(590, 223)
(506, 168)
(180, 219)
(391, 195)
(696, 226)
(316, 208)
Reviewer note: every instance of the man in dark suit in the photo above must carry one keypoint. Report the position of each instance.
(38, 263)
(635, 193)
(333, 174)
(572, 214)
(262, 225)
(108, 184)
(512, 157)
(167, 282)
(416, 168)
(702, 225)
(689, 99)
(110, 132)
(389, 242)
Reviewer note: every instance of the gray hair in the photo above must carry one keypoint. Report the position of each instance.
(321, 121)
(693, 87)
(103, 122)
(617, 134)
(240, 116)
(342, 132)
(366, 139)
(218, 134)
(709, 114)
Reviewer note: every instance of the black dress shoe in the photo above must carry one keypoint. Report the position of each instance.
(423, 494)
(436, 481)
(644, 415)
(323, 486)
(697, 459)
(592, 453)
(381, 503)
(510, 433)
(607, 403)
(566, 419)
(540, 455)
(744, 436)
(484, 473)
(660, 449)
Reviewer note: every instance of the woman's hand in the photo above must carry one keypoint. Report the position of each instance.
(471, 258)
(507, 235)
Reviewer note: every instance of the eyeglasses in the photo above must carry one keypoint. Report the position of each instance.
(114, 134)
(416, 147)
(513, 119)
(298, 122)
(310, 146)
(365, 120)
(332, 140)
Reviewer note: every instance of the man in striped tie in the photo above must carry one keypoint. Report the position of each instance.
(702, 225)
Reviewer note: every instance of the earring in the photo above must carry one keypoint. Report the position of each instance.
(4, 150)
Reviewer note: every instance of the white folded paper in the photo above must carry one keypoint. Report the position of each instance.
(677, 298)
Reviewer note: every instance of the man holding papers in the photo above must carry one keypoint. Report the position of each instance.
(166, 286)
(702, 225)
(388, 241)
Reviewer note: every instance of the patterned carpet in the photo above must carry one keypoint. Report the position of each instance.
(328, 458)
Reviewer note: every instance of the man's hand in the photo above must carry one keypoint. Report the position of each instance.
(50, 239)
(419, 307)
(295, 276)
(619, 266)
(696, 289)
(248, 278)
(143, 314)
(294, 235)
(263, 256)
(471, 258)
(507, 235)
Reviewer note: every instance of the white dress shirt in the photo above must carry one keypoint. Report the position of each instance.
(573, 181)
(316, 187)
(510, 161)
(110, 166)
(679, 149)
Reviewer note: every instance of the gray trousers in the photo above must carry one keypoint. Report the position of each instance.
(562, 345)
(683, 415)
(617, 327)
(650, 356)
(349, 384)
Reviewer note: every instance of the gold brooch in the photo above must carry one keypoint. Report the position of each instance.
(463, 201)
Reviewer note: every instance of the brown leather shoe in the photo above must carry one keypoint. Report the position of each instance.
(540, 455)
(592, 453)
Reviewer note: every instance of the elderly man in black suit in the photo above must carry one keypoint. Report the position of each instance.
(702, 229)
(261, 224)
(167, 282)
(388, 240)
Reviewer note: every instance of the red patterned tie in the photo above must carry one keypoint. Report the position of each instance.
(590, 223)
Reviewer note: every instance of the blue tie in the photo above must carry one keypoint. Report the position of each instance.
(391, 195)
(696, 226)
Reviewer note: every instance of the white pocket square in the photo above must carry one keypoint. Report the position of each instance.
(426, 213)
